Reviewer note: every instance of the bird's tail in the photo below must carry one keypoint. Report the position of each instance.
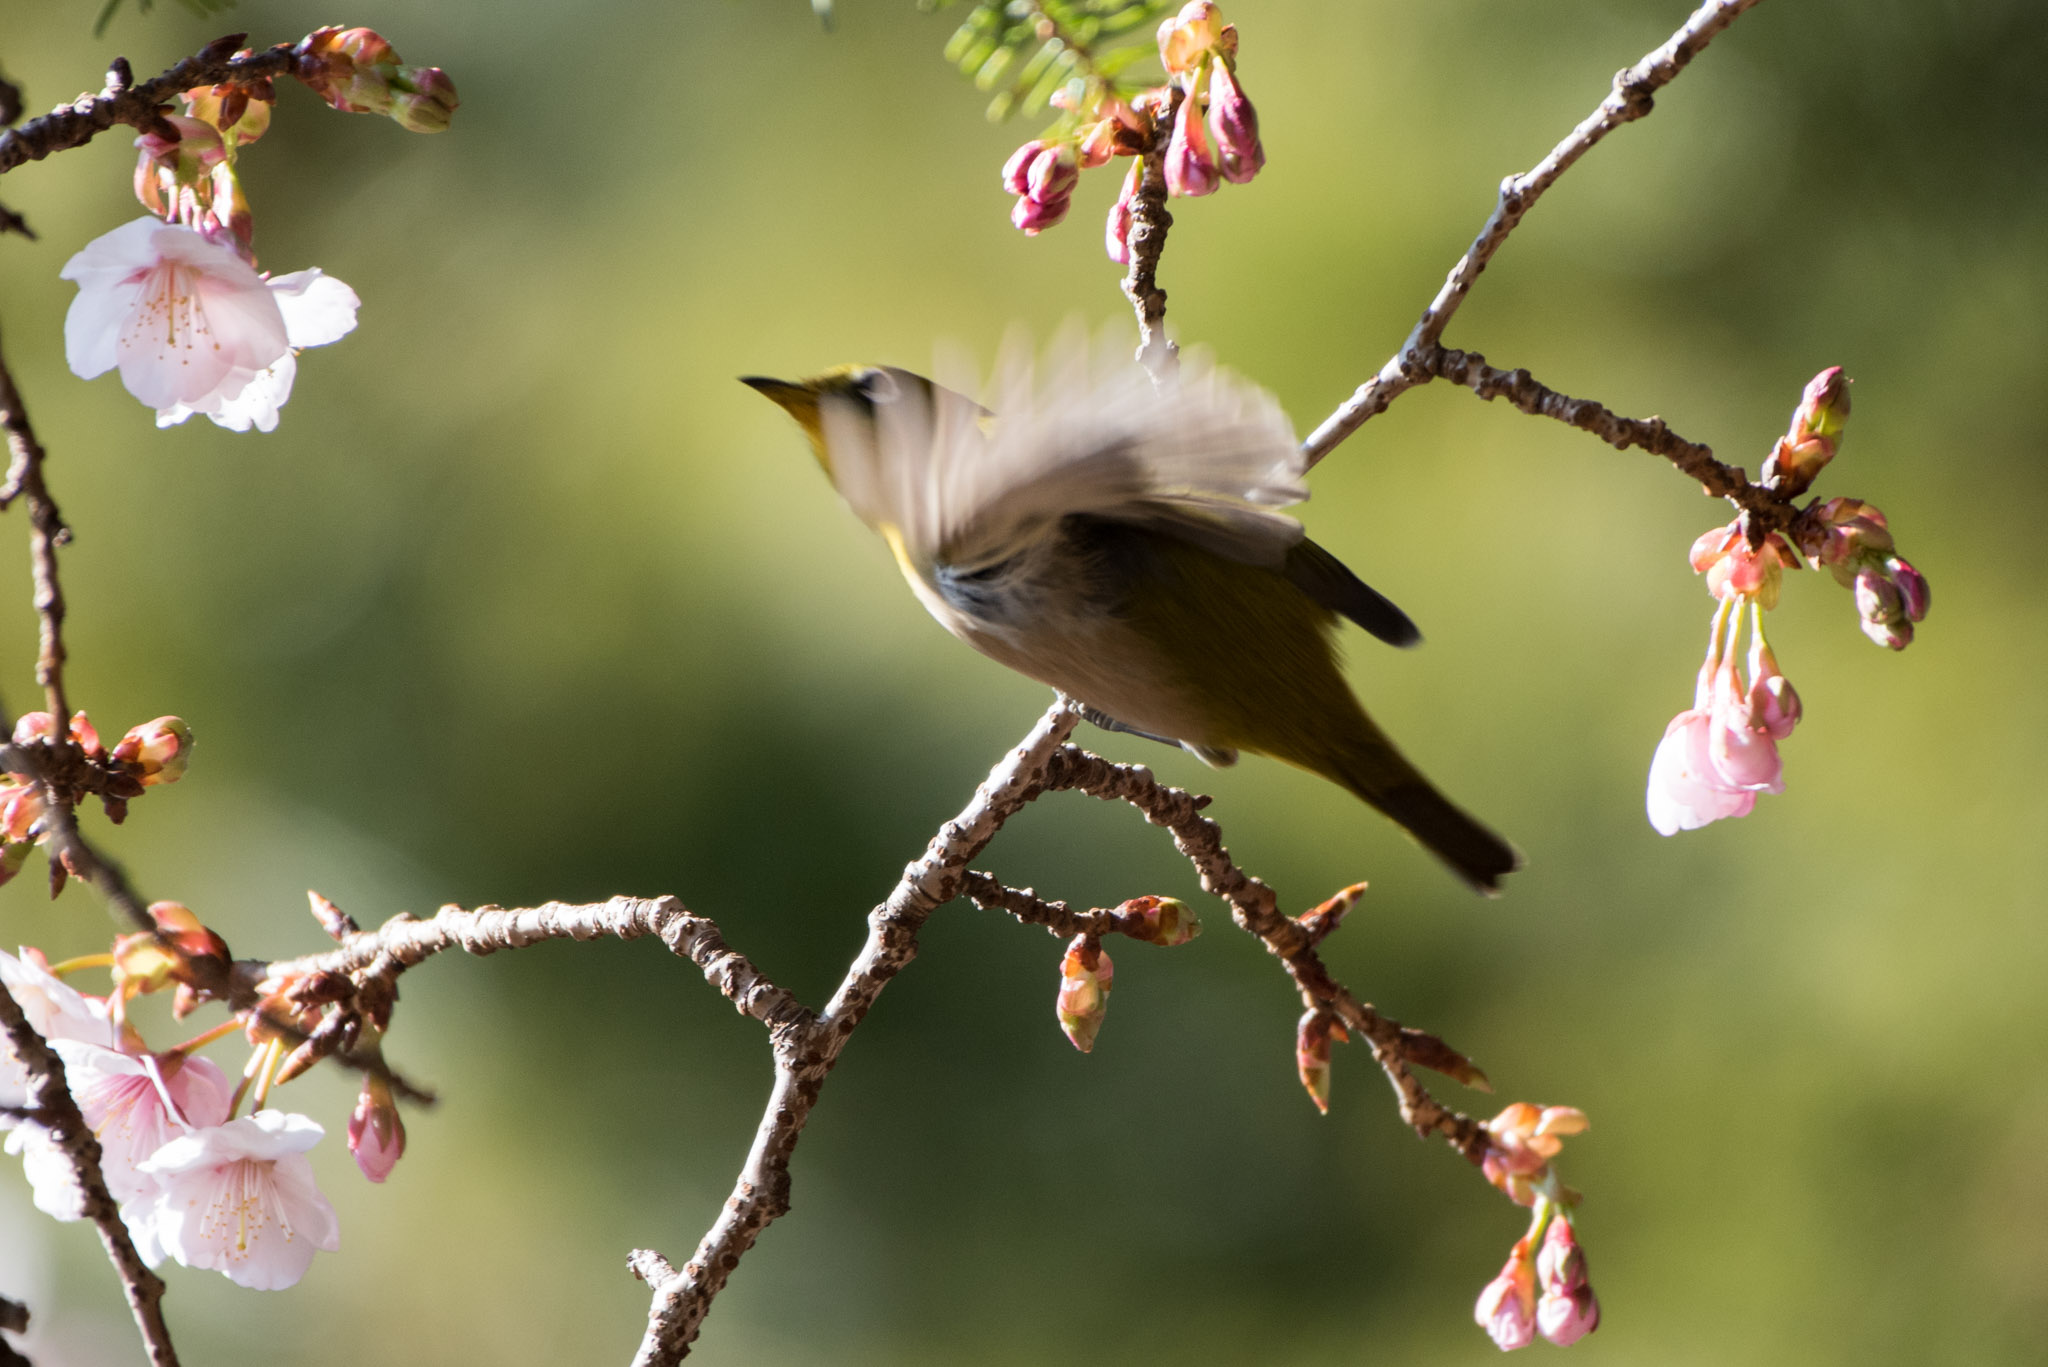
(1371, 767)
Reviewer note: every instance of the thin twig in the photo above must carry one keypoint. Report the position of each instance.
(1630, 99)
(123, 101)
(47, 533)
(64, 1128)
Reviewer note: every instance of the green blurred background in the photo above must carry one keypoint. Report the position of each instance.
(527, 599)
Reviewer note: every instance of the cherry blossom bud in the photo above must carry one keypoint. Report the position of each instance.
(1162, 921)
(1033, 217)
(1319, 921)
(1774, 705)
(1235, 125)
(158, 750)
(1814, 437)
(1912, 586)
(1116, 234)
(1187, 37)
(425, 100)
(376, 1136)
(1568, 1310)
(1018, 167)
(31, 727)
(352, 69)
(1097, 145)
(1878, 600)
(337, 923)
(1085, 978)
(87, 736)
(1507, 1307)
(1190, 165)
(1312, 1041)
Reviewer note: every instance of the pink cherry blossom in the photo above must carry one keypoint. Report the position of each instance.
(192, 327)
(1716, 756)
(240, 1198)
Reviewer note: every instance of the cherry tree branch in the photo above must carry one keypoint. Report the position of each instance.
(1422, 357)
(1255, 908)
(1147, 240)
(122, 101)
(46, 533)
(56, 1114)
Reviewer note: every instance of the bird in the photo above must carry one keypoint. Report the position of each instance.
(1118, 537)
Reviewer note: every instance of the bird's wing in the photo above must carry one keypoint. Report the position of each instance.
(1205, 457)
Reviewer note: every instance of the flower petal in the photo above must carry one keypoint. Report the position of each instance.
(317, 308)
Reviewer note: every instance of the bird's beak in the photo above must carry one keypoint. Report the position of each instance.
(800, 401)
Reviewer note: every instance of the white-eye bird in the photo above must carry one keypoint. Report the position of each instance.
(1119, 540)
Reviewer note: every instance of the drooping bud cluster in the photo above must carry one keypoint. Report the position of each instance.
(1717, 755)
(1890, 594)
(1214, 138)
(1543, 1287)
(81, 766)
(1086, 975)
(358, 72)
(1720, 753)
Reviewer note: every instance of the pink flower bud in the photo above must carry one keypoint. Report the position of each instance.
(1034, 217)
(1085, 978)
(159, 750)
(1912, 586)
(1312, 1054)
(1190, 166)
(1568, 1318)
(1052, 175)
(1116, 234)
(1097, 145)
(351, 69)
(1162, 921)
(1018, 167)
(1507, 1307)
(1187, 37)
(31, 727)
(1235, 125)
(21, 813)
(1774, 705)
(425, 99)
(1815, 434)
(376, 1136)
(1878, 600)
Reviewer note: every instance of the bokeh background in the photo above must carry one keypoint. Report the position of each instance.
(527, 599)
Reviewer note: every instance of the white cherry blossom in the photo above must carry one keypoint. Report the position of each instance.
(240, 1198)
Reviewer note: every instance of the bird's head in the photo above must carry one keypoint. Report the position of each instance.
(854, 389)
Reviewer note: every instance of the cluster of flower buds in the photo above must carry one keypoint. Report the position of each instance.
(1890, 594)
(1720, 753)
(358, 72)
(153, 753)
(1717, 755)
(1542, 1290)
(1085, 979)
(1215, 134)
(1215, 129)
